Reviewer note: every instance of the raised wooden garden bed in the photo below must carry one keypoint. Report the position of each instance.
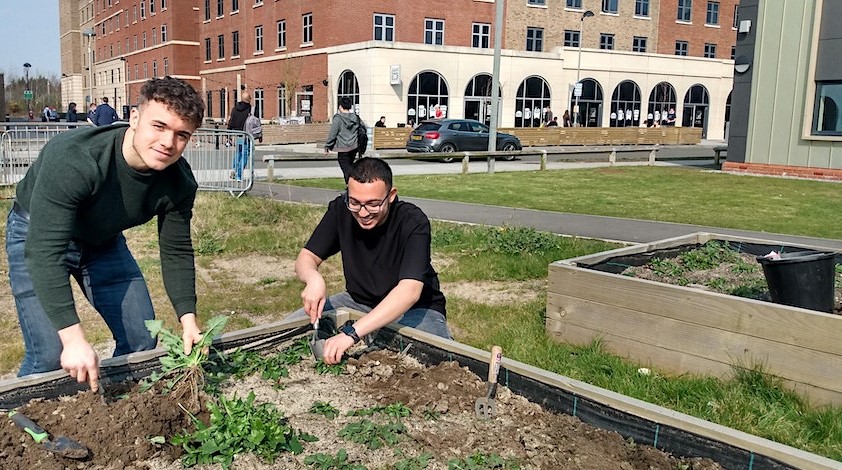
(690, 330)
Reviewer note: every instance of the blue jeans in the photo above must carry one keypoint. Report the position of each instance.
(423, 319)
(241, 158)
(111, 281)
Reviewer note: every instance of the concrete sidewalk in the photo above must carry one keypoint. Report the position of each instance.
(588, 226)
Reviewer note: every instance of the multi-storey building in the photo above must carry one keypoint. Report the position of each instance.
(402, 58)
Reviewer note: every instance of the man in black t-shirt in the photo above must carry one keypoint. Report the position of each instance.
(385, 246)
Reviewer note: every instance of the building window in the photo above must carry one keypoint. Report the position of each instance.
(532, 99)
(257, 3)
(151, 6)
(572, 38)
(712, 16)
(135, 42)
(535, 39)
(209, 103)
(145, 70)
(684, 7)
(282, 101)
(163, 4)
(220, 8)
(154, 68)
(235, 5)
(166, 63)
(384, 27)
(220, 40)
(163, 33)
(427, 92)
(481, 35)
(307, 28)
(641, 8)
(433, 31)
(136, 71)
(207, 11)
(609, 6)
(710, 51)
(680, 47)
(258, 103)
(235, 43)
(348, 87)
(207, 49)
(223, 101)
(154, 36)
(736, 16)
(606, 41)
(143, 10)
(827, 119)
(536, 2)
(639, 44)
(282, 34)
(144, 39)
(258, 38)
(733, 52)
(577, 4)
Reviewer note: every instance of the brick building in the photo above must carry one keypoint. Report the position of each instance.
(402, 58)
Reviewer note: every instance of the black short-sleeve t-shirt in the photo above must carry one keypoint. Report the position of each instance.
(375, 260)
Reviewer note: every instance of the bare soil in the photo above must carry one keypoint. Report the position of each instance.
(117, 433)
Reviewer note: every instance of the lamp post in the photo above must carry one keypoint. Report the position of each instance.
(577, 91)
(89, 33)
(28, 93)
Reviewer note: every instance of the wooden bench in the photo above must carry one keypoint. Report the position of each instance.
(717, 153)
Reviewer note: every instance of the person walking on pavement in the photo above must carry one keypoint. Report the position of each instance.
(91, 112)
(237, 122)
(385, 248)
(71, 112)
(342, 138)
(62, 226)
(104, 114)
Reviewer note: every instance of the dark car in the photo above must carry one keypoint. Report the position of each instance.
(457, 135)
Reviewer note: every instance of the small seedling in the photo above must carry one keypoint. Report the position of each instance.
(373, 435)
(334, 369)
(329, 462)
(480, 461)
(431, 415)
(324, 408)
(419, 462)
(395, 410)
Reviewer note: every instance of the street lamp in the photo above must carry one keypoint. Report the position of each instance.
(577, 91)
(28, 92)
(89, 33)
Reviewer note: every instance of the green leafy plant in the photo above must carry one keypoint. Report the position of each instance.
(431, 415)
(395, 410)
(709, 255)
(183, 374)
(373, 435)
(481, 461)
(239, 426)
(324, 408)
(209, 242)
(419, 462)
(329, 462)
(332, 369)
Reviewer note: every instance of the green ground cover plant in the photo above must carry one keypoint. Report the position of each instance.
(668, 194)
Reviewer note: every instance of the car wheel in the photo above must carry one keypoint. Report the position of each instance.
(508, 147)
(447, 148)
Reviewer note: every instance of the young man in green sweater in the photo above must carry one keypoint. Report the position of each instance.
(85, 188)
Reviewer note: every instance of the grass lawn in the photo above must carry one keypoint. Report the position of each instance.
(668, 194)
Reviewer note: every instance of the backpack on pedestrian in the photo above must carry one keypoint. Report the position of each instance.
(254, 128)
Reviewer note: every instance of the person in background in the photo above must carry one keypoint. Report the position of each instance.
(45, 114)
(553, 122)
(91, 112)
(565, 119)
(380, 122)
(104, 114)
(237, 122)
(385, 248)
(61, 227)
(71, 112)
(411, 123)
(342, 138)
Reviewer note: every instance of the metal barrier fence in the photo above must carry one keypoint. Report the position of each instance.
(221, 160)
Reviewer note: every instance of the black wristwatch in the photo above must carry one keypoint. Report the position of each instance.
(348, 329)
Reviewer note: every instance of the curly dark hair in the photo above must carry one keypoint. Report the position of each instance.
(370, 169)
(176, 95)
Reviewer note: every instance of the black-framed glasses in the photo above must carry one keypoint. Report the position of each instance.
(372, 207)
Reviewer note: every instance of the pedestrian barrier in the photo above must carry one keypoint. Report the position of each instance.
(221, 160)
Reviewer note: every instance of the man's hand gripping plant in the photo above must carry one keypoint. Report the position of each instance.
(183, 375)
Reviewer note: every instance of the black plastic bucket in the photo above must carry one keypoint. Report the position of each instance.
(801, 279)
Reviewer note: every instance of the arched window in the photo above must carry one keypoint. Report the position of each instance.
(427, 97)
(696, 103)
(661, 99)
(625, 105)
(590, 105)
(533, 99)
(478, 98)
(348, 87)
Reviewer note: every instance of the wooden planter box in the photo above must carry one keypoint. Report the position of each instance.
(689, 330)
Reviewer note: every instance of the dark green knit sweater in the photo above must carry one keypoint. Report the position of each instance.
(81, 189)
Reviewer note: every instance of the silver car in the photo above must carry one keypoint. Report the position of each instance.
(457, 135)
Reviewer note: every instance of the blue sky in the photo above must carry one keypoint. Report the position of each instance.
(29, 33)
